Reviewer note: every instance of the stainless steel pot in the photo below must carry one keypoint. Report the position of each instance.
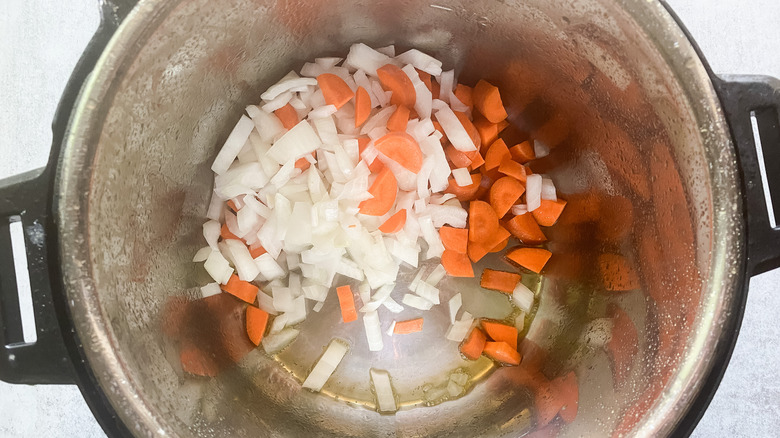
(655, 155)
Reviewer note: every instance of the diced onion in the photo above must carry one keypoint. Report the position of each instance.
(233, 145)
(384, 391)
(326, 365)
(523, 297)
(548, 190)
(276, 342)
(202, 254)
(454, 305)
(533, 191)
(210, 290)
(391, 305)
(417, 302)
(456, 133)
(373, 331)
(218, 267)
(541, 150)
(462, 176)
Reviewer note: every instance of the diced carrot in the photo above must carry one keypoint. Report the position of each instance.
(334, 89)
(567, 391)
(256, 250)
(394, 223)
(496, 154)
(470, 129)
(287, 115)
(467, 193)
(256, 321)
(464, 95)
(384, 189)
(243, 290)
(510, 167)
(425, 78)
(401, 148)
(501, 333)
(476, 159)
(408, 326)
(225, 233)
(500, 247)
(504, 193)
(395, 80)
(502, 125)
(456, 264)
(376, 166)
(454, 239)
(362, 106)
(347, 303)
(616, 273)
(483, 222)
(232, 206)
(472, 347)
(502, 352)
(549, 212)
(195, 361)
(523, 152)
(302, 163)
(456, 157)
(525, 228)
(487, 100)
(488, 132)
(398, 120)
(532, 259)
(500, 281)
(363, 142)
(477, 250)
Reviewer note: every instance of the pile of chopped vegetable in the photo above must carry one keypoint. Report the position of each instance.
(349, 172)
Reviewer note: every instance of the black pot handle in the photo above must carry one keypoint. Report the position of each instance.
(26, 200)
(752, 106)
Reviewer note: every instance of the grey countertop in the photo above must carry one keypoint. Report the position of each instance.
(40, 42)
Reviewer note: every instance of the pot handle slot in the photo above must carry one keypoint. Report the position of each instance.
(752, 106)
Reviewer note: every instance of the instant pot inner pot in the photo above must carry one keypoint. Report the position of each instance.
(581, 76)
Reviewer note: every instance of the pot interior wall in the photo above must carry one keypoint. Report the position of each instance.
(579, 75)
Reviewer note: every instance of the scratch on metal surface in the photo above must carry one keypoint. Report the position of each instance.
(444, 8)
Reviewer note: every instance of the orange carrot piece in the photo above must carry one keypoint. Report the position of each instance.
(232, 206)
(477, 250)
(499, 281)
(454, 239)
(225, 233)
(363, 142)
(425, 78)
(384, 189)
(502, 125)
(408, 326)
(483, 222)
(347, 303)
(401, 148)
(501, 333)
(467, 193)
(523, 152)
(616, 273)
(256, 251)
(362, 106)
(549, 212)
(500, 247)
(532, 259)
(487, 100)
(525, 228)
(256, 322)
(504, 193)
(472, 347)
(398, 120)
(456, 157)
(243, 290)
(496, 154)
(302, 163)
(488, 132)
(287, 115)
(470, 128)
(456, 264)
(476, 159)
(394, 223)
(502, 352)
(464, 93)
(334, 89)
(395, 80)
(510, 167)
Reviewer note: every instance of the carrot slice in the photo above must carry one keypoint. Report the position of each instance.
(504, 193)
(464, 93)
(334, 89)
(467, 193)
(256, 251)
(496, 154)
(408, 326)
(500, 247)
(483, 222)
(362, 106)
(456, 157)
(525, 228)
(472, 347)
(502, 352)
(488, 132)
(287, 115)
(394, 223)
(487, 100)
(549, 212)
(616, 273)
(476, 159)
(470, 129)
(232, 206)
(395, 80)
(532, 259)
(454, 239)
(499, 281)
(347, 303)
(241, 289)
(225, 233)
(399, 119)
(512, 168)
(502, 125)
(401, 148)
(456, 264)
(426, 79)
(256, 321)
(523, 152)
(477, 250)
(363, 142)
(501, 333)
(302, 163)
(384, 189)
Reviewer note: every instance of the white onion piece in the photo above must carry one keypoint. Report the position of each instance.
(378, 120)
(235, 141)
(202, 254)
(276, 342)
(248, 221)
(364, 291)
(278, 324)
(440, 174)
(215, 209)
(362, 57)
(436, 275)
(299, 141)
(267, 126)
(218, 267)
(277, 102)
(447, 81)
(298, 312)
(299, 105)
(245, 266)
(381, 96)
(348, 268)
(315, 292)
(391, 305)
(210, 289)
(431, 236)
(326, 365)
(322, 112)
(266, 302)
(391, 329)
(328, 62)
(387, 50)
(520, 321)
(385, 399)
(286, 85)
(423, 176)
(379, 297)
(211, 232)
(523, 297)
(428, 292)
(416, 280)
(283, 299)
(362, 81)
(373, 331)
(456, 133)
(417, 302)
(454, 305)
(268, 267)
(423, 103)
(540, 149)
(317, 307)
(312, 70)
(294, 283)
(459, 329)
(421, 61)
(453, 215)
(460, 378)
(533, 191)
(462, 176)
(548, 190)
(519, 209)
(406, 253)
(453, 389)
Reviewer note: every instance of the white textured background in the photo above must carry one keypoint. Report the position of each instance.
(40, 42)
